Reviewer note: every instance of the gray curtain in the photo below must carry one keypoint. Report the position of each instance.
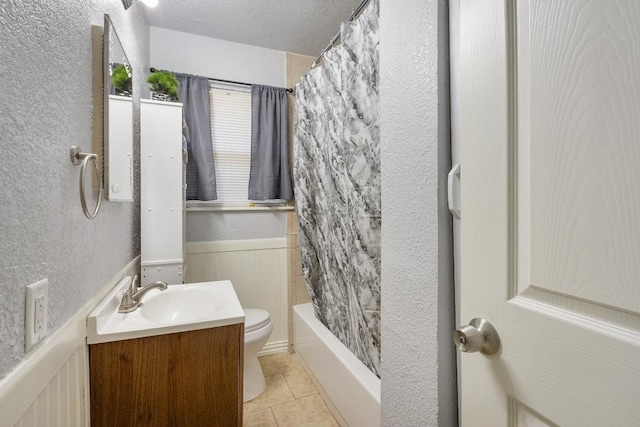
(201, 173)
(269, 176)
(337, 186)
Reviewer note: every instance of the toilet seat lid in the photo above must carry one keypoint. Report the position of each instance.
(255, 319)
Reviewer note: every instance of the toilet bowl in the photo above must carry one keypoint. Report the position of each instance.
(257, 329)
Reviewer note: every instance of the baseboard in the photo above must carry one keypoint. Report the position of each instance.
(22, 386)
(274, 347)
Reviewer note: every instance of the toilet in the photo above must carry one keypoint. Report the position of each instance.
(257, 329)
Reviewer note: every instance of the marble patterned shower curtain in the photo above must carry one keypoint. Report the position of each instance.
(337, 187)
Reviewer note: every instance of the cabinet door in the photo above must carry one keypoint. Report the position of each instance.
(161, 186)
(184, 379)
(119, 154)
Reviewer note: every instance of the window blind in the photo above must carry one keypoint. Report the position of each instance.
(231, 140)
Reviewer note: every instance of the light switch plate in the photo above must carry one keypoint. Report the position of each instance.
(36, 316)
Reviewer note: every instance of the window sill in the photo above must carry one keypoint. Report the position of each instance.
(205, 207)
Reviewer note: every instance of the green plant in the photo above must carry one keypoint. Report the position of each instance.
(164, 82)
(121, 79)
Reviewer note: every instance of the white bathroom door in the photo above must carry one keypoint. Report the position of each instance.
(550, 193)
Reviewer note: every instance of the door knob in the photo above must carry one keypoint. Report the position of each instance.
(478, 335)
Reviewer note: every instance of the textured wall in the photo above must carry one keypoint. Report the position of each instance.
(205, 56)
(221, 59)
(46, 106)
(418, 361)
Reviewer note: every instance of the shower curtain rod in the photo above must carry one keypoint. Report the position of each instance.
(152, 69)
(335, 38)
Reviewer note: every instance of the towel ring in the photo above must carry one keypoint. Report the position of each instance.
(77, 158)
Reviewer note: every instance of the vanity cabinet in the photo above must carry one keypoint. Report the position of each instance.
(161, 192)
(189, 378)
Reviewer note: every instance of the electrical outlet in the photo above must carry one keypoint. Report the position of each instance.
(35, 319)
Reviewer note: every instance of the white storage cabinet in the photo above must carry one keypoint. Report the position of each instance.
(161, 192)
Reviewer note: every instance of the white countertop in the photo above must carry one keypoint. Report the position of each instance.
(106, 324)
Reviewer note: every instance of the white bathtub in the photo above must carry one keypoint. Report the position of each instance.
(351, 388)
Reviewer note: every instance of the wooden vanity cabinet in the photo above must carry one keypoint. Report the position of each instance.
(186, 379)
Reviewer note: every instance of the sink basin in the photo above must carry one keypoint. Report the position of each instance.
(181, 303)
(179, 308)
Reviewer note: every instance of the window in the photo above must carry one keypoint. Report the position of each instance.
(231, 140)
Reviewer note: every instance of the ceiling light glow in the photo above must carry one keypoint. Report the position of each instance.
(150, 3)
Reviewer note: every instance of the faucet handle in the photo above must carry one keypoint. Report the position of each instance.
(127, 299)
(133, 287)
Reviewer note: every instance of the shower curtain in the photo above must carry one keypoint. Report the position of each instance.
(337, 187)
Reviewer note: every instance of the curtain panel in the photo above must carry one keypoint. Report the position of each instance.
(269, 176)
(193, 92)
(337, 186)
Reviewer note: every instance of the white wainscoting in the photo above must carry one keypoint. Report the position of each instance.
(63, 402)
(50, 387)
(258, 271)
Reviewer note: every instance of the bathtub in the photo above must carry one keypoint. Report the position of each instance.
(352, 390)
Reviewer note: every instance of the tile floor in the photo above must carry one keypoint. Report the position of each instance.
(290, 400)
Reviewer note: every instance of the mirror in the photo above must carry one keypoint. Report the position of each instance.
(118, 117)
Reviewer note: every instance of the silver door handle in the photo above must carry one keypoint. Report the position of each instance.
(453, 191)
(478, 335)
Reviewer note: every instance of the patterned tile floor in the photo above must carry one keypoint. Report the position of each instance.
(290, 400)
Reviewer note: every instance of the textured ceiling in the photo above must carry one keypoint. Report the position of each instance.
(298, 26)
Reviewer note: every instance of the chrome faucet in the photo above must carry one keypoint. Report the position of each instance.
(132, 296)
